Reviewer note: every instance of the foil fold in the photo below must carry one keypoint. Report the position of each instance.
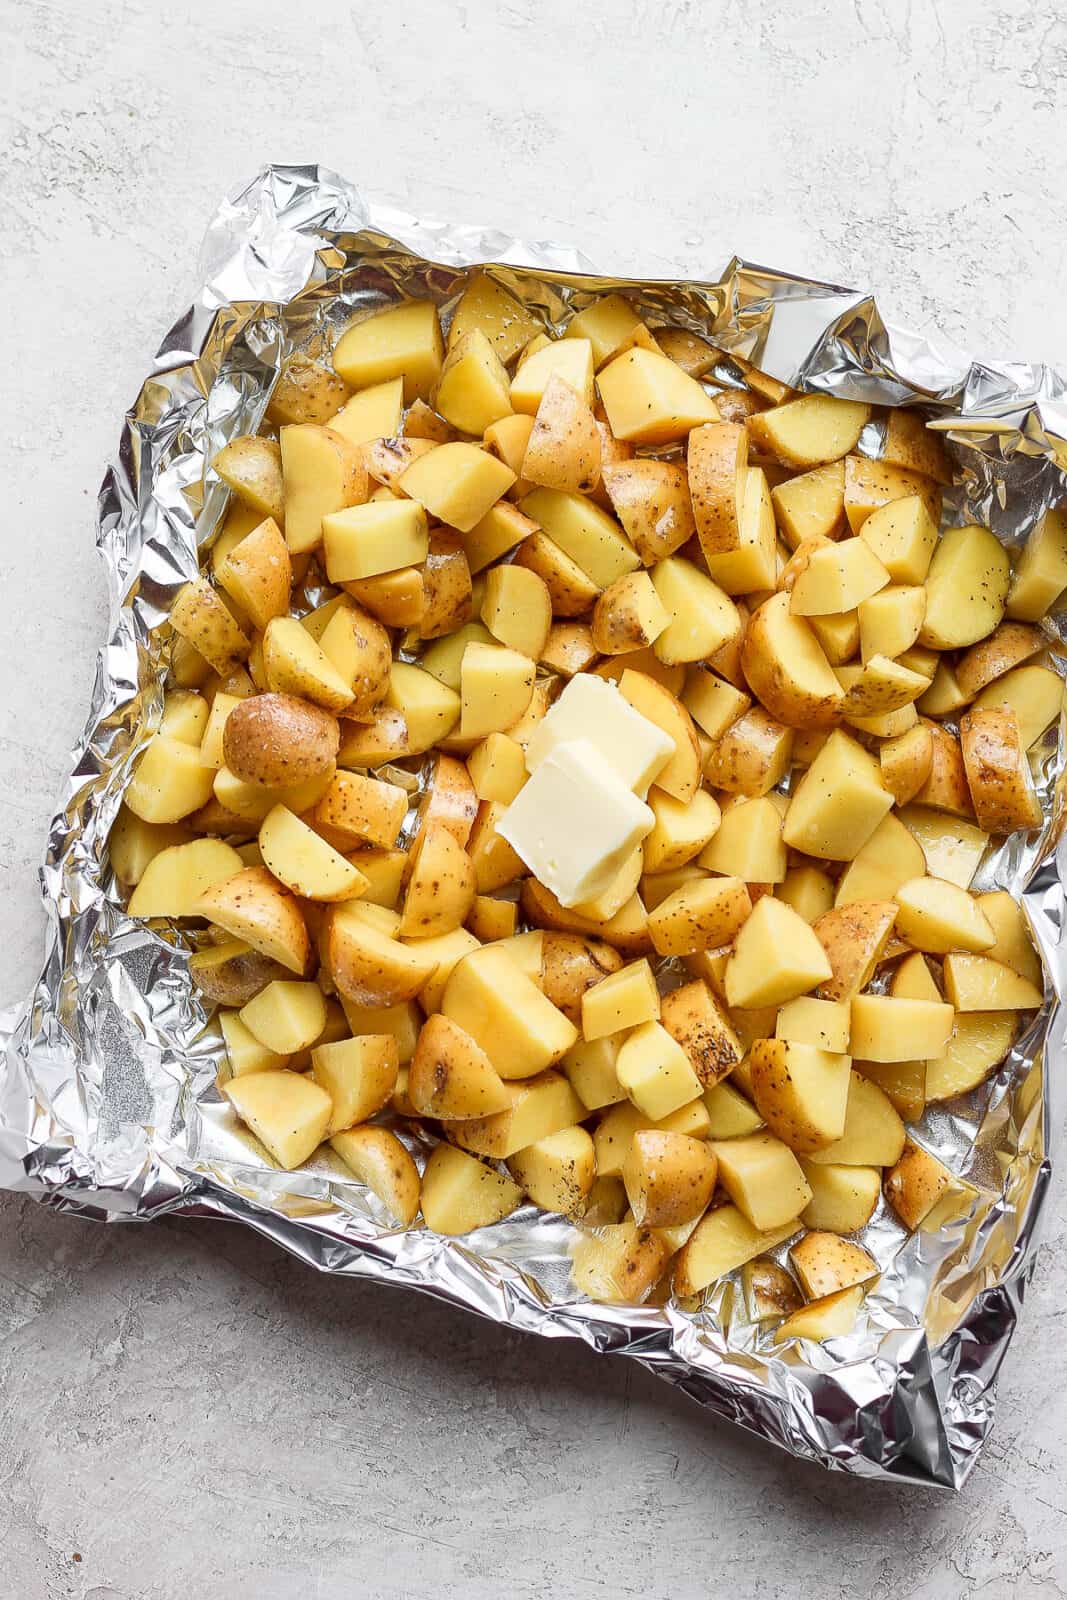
(108, 1106)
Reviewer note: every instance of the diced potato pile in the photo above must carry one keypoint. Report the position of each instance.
(840, 703)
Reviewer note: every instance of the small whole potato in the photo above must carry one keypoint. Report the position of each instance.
(278, 739)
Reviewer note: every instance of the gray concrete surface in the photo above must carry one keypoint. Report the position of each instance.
(181, 1407)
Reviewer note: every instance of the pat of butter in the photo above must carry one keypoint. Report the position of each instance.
(592, 708)
(575, 822)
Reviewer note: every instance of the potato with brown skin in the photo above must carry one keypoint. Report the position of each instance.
(787, 670)
(199, 616)
(627, 930)
(946, 787)
(563, 451)
(1008, 646)
(360, 648)
(441, 887)
(378, 1159)
(716, 462)
(306, 391)
(915, 1184)
(669, 1177)
(450, 800)
(372, 744)
(629, 615)
(651, 500)
(451, 1077)
(998, 773)
(446, 586)
(397, 599)
(252, 468)
(279, 739)
(752, 756)
(704, 913)
(825, 1263)
(572, 592)
(367, 965)
(232, 973)
(254, 907)
(854, 937)
(694, 1019)
(571, 964)
(258, 573)
(905, 762)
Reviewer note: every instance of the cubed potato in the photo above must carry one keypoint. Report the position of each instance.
(912, 980)
(651, 500)
(373, 413)
(694, 1019)
(517, 610)
(952, 847)
(382, 536)
(252, 468)
(909, 442)
(836, 578)
(585, 534)
(249, 804)
(451, 1077)
(377, 1158)
(569, 359)
(257, 573)
(980, 1041)
(287, 1016)
(937, 916)
(749, 843)
(447, 587)
(1040, 575)
(287, 1113)
(878, 688)
(650, 400)
(322, 473)
(441, 887)
(776, 957)
(506, 1014)
(473, 390)
(232, 972)
(502, 528)
(888, 1028)
(569, 649)
(730, 1114)
(304, 862)
(363, 810)
(905, 762)
(786, 668)
(998, 771)
(624, 999)
(874, 1133)
(396, 599)
(457, 483)
(811, 506)
(449, 800)
(537, 1107)
(838, 803)
(825, 1264)
(903, 536)
(430, 709)
(703, 914)
(1035, 694)
(382, 739)
(212, 751)
(572, 964)
(571, 591)
(723, 1240)
(752, 756)
(199, 616)
(770, 1293)
(809, 891)
(400, 1022)
(681, 777)
(832, 1317)
(966, 588)
(904, 1082)
(495, 863)
(358, 1074)
(1014, 947)
(752, 566)
(245, 1053)
(669, 1177)
(608, 323)
(252, 906)
(627, 929)
(621, 1263)
(712, 703)
(916, 1183)
(693, 355)
(810, 430)
(495, 688)
(590, 1069)
(843, 1198)
(870, 485)
(614, 1132)
(563, 450)
(823, 1024)
(443, 659)
(367, 964)
(801, 1092)
(854, 937)
(681, 830)
(628, 616)
(171, 883)
(838, 636)
(763, 1179)
(558, 1171)
(655, 1071)
(491, 919)
(461, 1194)
(402, 341)
(703, 619)
(488, 305)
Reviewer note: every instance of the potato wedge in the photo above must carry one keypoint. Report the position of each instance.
(231, 973)
(441, 888)
(252, 906)
(538, 1107)
(563, 450)
(1015, 946)
(763, 1179)
(832, 1317)
(558, 1171)
(681, 776)
(620, 1264)
(1005, 648)
(257, 573)
(874, 1133)
(1041, 571)
(322, 473)
(200, 617)
(669, 1177)
(287, 1113)
(871, 485)
(843, 1198)
(915, 1184)
(377, 1159)
(854, 937)
(938, 916)
(252, 468)
(628, 616)
(367, 965)
(461, 1194)
(174, 880)
(787, 670)
(723, 1240)
(811, 506)
(966, 588)
(998, 772)
(702, 914)
(694, 1019)
(651, 500)
(980, 1041)
(810, 430)
(800, 1091)
(451, 1077)
(825, 1264)
(905, 761)
(978, 983)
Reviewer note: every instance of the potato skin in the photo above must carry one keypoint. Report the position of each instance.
(998, 773)
(570, 965)
(278, 739)
(238, 979)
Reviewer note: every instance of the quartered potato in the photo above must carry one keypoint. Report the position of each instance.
(591, 767)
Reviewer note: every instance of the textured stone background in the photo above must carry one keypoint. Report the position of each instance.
(187, 1410)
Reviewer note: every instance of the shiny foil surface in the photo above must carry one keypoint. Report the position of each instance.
(108, 1105)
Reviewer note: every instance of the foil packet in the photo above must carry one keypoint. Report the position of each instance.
(108, 1104)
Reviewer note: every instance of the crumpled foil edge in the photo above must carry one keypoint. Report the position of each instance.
(106, 1097)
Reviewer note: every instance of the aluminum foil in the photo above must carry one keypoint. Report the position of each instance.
(108, 1105)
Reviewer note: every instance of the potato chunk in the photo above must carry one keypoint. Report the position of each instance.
(800, 1091)
(763, 1179)
(669, 1177)
(558, 1171)
(460, 1193)
(776, 957)
(998, 772)
(287, 1113)
(826, 1263)
(723, 1240)
(358, 1074)
(937, 917)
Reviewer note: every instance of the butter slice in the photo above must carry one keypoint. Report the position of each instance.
(575, 822)
(592, 708)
